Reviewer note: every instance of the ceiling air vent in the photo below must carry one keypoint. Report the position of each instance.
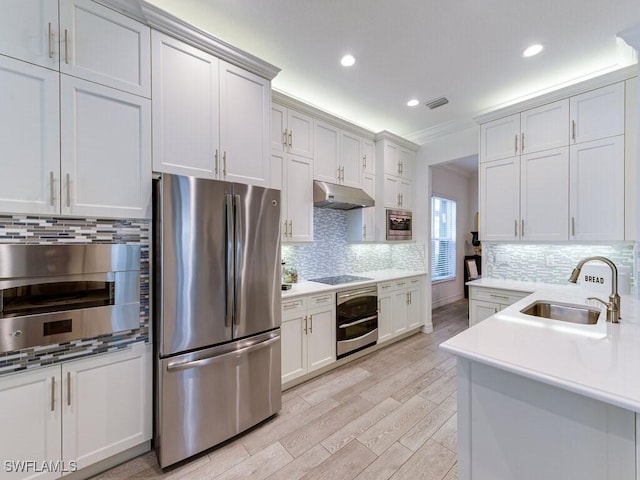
(438, 102)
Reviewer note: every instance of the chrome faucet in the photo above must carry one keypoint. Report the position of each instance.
(613, 306)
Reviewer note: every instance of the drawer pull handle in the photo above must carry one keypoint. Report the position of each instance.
(493, 295)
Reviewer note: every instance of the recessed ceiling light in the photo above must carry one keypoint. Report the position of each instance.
(532, 50)
(413, 102)
(348, 60)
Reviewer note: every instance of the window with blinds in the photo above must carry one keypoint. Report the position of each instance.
(443, 239)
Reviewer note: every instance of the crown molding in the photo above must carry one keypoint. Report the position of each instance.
(422, 137)
(402, 141)
(631, 36)
(559, 92)
(167, 23)
(285, 100)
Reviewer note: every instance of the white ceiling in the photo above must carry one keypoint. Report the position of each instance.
(467, 50)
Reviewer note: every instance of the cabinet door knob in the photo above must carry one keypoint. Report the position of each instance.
(522, 229)
(515, 232)
(522, 142)
(68, 389)
(224, 163)
(284, 139)
(310, 324)
(516, 144)
(216, 163)
(573, 130)
(290, 139)
(68, 190)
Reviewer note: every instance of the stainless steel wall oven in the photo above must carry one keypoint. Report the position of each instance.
(356, 319)
(399, 225)
(56, 293)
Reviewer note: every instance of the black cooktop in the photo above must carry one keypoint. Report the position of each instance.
(339, 279)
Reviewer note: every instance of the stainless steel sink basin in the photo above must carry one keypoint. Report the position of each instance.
(566, 312)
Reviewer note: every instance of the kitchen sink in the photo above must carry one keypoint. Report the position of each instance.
(566, 312)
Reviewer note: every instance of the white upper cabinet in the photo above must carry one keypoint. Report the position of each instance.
(291, 131)
(210, 119)
(544, 127)
(351, 159)
(361, 221)
(368, 157)
(106, 151)
(326, 153)
(534, 130)
(406, 163)
(297, 198)
(500, 200)
(544, 195)
(185, 109)
(105, 47)
(30, 141)
(500, 138)
(597, 190)
(598, 114)
(245, 105)
(90, 42)
(391, 156)
(29, 31)
(78, 148)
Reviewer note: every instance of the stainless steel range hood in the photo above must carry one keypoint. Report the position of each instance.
(340, 197)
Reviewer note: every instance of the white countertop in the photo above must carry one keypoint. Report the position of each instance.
(377, 276)
(600, 361)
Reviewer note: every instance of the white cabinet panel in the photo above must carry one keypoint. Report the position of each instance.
(31, 419)
(29, 138)
(385, 316)
(244, 126)
(597, 190)
(185, 109)
(499, 139)
(294, 348)
(544, 195)
(520, 428)
(500, 199)
(106, 407)
(300, 134)
(278, 127)
(598, 114)
(105, 47)
(545, 127)
(368, 157)
(297, 199)
(407, 163)
(106, 151)
(361, 221)
(400, 302)
(350, 160)
(321, 330)
(391, 158)
(326, 154)
(29, 31)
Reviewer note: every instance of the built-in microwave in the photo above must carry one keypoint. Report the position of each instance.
(399, 225)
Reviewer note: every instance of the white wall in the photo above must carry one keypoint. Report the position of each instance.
(452, 146)
(450, 183)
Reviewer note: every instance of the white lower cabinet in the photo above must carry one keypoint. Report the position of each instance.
(399, 307)
(484, 302)
(75, 414)
(308, 334)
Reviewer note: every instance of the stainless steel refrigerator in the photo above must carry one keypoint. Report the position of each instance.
(216, 312)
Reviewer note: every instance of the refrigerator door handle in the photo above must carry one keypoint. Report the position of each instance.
(237, 272)
(228, 319)
(176, 366)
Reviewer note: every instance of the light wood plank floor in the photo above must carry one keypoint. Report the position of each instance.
(389, 415)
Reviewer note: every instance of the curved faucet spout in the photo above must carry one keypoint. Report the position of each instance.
(613, 307)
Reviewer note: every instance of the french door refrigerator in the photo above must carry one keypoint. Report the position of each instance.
(216, 312)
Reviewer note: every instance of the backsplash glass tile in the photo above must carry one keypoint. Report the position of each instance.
(331, 254)
(46, 230)
(550, 263)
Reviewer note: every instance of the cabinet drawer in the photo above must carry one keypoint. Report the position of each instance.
(322, 300)
(412, 282)
(294, 307)
(502, 297)
(385, 287)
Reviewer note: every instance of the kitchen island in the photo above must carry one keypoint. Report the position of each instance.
(541, 398)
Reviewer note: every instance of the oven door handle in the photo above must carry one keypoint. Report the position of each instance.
(347, 325)
(355, 293)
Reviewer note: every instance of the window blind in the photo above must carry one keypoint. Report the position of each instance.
(443, 239)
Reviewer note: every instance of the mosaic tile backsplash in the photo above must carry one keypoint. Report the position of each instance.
(45, 230)
(550, 263)
(330, 253)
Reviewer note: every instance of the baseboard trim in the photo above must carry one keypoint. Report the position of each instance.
(446, 301)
